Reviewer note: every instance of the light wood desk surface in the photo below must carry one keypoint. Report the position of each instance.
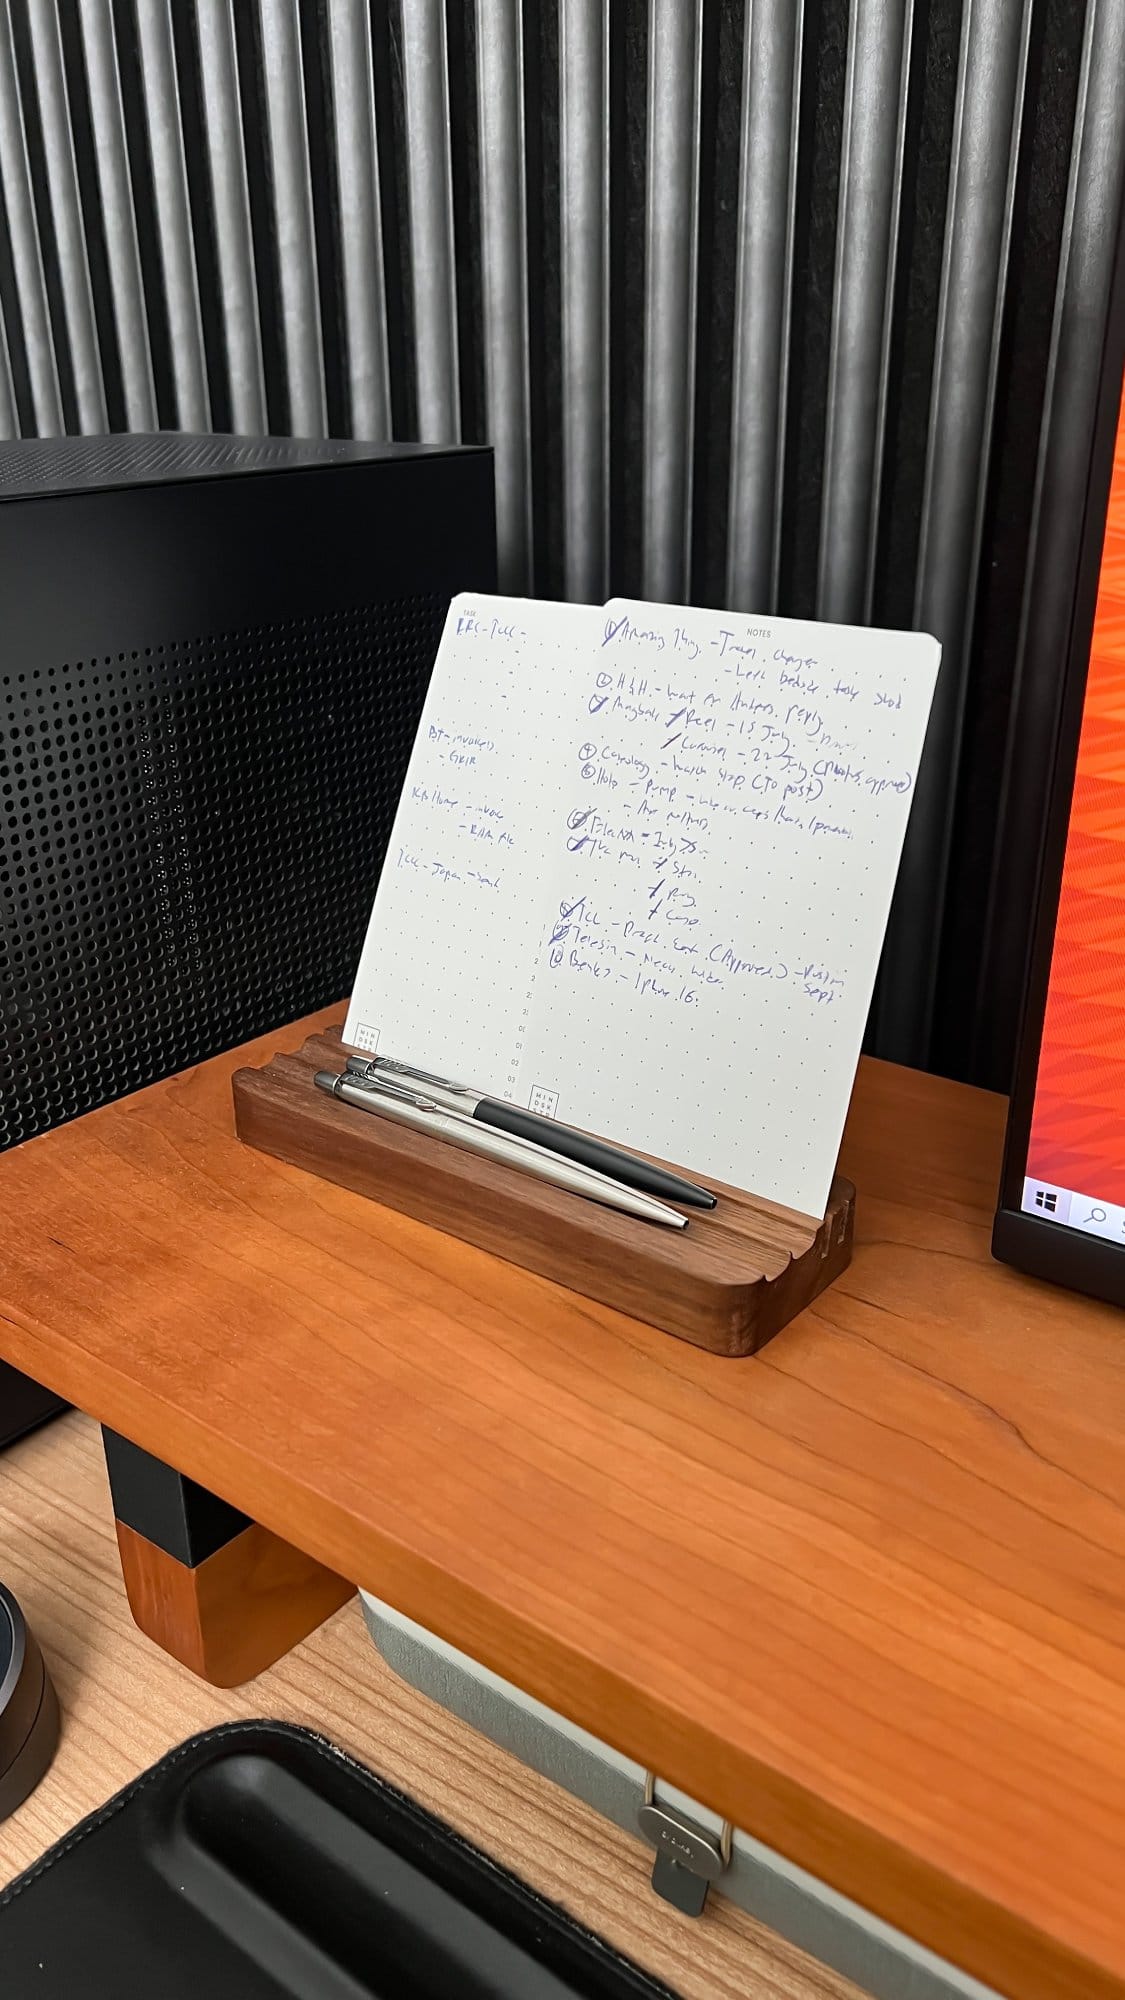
(864, 1593)
(125, 1703)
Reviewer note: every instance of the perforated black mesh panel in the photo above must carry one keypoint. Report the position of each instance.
(171, 826)
(46, 465)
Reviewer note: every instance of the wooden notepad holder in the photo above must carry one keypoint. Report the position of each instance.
(728, 1282)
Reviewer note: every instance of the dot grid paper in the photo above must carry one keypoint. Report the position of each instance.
(641, 871)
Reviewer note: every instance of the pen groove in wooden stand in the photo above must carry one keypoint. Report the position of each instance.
(728, 1282)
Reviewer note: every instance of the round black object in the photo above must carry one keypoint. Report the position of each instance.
(29, 1711)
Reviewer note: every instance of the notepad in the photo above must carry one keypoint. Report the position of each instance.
(641, 870)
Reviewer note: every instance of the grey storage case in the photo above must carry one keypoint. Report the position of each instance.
(691, 1841)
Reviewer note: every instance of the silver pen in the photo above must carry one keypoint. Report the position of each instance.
(423, 1114)
(631, 1169)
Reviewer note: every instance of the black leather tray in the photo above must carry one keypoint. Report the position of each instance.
(257, 1861)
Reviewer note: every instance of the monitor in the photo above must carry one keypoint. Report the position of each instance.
(1062, 1203)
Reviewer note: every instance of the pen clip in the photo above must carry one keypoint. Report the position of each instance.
(381, 1065)
(378, 1086)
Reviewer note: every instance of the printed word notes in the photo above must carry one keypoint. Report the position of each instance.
(641, 871)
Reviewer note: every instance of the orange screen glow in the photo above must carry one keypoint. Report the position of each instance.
(1078, 1125)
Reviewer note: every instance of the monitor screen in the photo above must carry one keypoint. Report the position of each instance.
(1075, 1170)
(1062, 1211)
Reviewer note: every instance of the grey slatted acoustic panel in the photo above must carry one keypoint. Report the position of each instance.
(8, 425)
(107, 117)
(870, 190)
(163, 124)
(584, 314)
(764, 279)
(229, 213)
(61, 199)
(499, 40)
(296, 247)
(360, 217)
(786, 304)
(982, 176)
(671, 259)
(23, 236)
(429, 183)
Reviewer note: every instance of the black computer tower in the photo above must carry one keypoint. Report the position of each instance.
(213, 655)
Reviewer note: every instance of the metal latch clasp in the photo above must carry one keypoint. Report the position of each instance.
(688, 1857)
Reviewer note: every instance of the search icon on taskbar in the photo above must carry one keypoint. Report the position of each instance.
(1098, 1218)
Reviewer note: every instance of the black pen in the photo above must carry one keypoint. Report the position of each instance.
(562, 1139)
(423, 1113)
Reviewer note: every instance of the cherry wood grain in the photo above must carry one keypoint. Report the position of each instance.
(864, 1592)
(728, 1282)
(233, 1615)
(124, 1704)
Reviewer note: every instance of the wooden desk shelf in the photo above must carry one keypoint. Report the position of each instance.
(864, 1593)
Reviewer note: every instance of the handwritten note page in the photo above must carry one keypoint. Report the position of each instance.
(451, 947)
(678, 947)
(738, 794)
